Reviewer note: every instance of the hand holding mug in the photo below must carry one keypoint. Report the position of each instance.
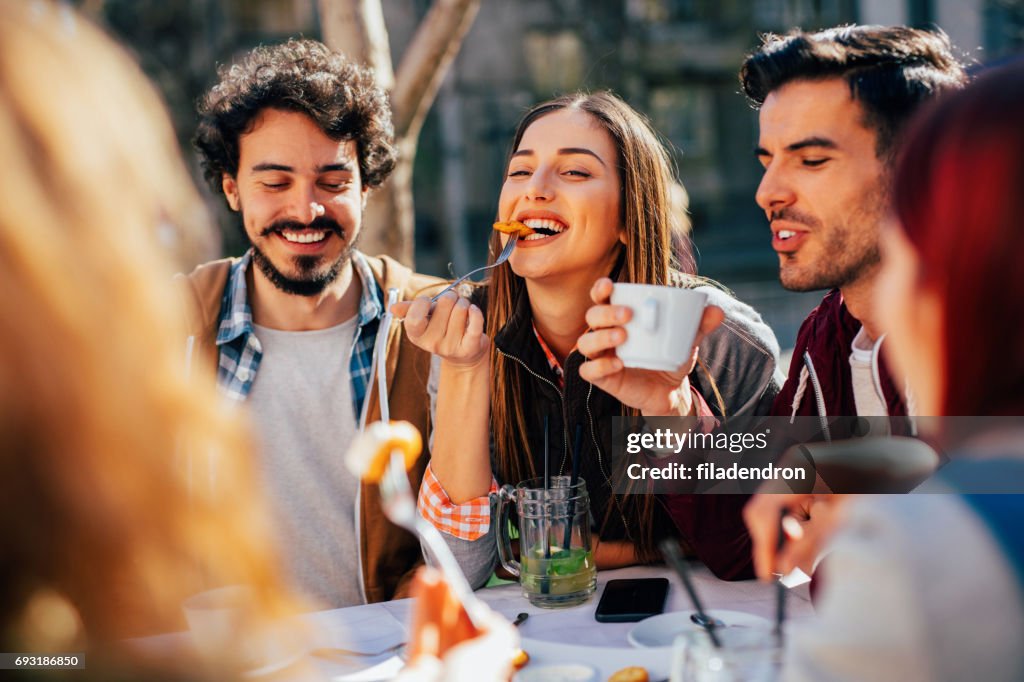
(668, 329)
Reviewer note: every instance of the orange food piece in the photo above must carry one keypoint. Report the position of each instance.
(633, 673)
(520, 659)
(514, 227)
(371, 452)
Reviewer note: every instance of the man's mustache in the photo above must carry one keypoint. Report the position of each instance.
(321, 224)
(792, 216)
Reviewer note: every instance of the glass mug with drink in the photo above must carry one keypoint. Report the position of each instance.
(556, 566)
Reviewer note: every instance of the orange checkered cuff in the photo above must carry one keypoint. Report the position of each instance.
(469, 521)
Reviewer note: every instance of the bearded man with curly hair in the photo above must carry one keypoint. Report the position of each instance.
(296, 137)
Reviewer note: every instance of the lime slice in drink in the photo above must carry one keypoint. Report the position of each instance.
(566, 562)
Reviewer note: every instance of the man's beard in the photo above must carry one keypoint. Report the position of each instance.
(849, 249)
(311, 280)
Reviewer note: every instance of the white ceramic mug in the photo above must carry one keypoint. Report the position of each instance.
(229, 632)
(217, 619)
(664, 325)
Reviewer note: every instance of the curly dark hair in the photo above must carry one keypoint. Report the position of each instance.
(891, 70)
(302, 76)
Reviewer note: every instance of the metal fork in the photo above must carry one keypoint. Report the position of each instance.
(335, 652)
(502, 257)
(399, 502)
(400, 506)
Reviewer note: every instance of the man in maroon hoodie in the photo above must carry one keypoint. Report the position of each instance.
(832, 107)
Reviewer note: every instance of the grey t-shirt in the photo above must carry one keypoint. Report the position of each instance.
(301, 402)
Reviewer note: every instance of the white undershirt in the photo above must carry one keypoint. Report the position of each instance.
(863, 369)
(301, 403)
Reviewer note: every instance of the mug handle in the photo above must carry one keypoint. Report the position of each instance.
(501, 501)
(648, 315)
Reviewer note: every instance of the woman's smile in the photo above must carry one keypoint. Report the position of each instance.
(563, 183)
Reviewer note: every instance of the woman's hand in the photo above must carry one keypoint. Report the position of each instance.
(445, 645)
(652, 392)
(453, 330)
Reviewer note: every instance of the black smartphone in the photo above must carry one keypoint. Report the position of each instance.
(627, 601)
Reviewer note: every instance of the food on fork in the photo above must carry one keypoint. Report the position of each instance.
(514, 227)
(370, 453)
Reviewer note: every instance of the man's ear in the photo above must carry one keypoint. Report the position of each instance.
(622, 236)
(366, 195)
(230, 187)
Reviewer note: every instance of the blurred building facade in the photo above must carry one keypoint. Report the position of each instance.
(675, 60)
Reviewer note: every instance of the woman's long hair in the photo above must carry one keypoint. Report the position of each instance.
(646, 173)
(958, 196)
(100, 424)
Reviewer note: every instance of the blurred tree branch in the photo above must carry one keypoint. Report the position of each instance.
(356, 28)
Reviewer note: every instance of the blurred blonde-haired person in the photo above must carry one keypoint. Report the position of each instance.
(111, 452)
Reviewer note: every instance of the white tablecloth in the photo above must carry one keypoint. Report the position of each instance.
(569, 635)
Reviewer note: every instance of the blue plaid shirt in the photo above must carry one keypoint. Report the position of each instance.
(240, 351)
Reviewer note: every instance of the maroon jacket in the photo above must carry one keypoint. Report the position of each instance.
(714, 528)
(823, 347)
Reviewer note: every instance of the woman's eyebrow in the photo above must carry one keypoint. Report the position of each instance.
(580, 150)
(564, 151)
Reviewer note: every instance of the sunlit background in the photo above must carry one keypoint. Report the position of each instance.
(675, 60)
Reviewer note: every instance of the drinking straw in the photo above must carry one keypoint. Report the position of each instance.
(545, 585)
(573, 480)
(547, 447)
(780, 587)
(670, 550)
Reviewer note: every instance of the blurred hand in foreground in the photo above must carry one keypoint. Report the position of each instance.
(445, 645)
(811, 522)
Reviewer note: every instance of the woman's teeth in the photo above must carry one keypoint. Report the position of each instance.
(543, 228)
(304, 237)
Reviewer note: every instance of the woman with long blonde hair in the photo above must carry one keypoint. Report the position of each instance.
(119, 471)
(590, 174)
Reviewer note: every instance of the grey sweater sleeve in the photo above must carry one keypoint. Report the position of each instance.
(742, 357)
(477, 558)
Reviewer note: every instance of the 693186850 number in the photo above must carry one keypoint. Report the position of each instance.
(23, 661)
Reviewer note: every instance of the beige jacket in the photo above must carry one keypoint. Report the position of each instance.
(389, 554)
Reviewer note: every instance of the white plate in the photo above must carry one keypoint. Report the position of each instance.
(662, 630)
(557, 672)
(278, 662)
